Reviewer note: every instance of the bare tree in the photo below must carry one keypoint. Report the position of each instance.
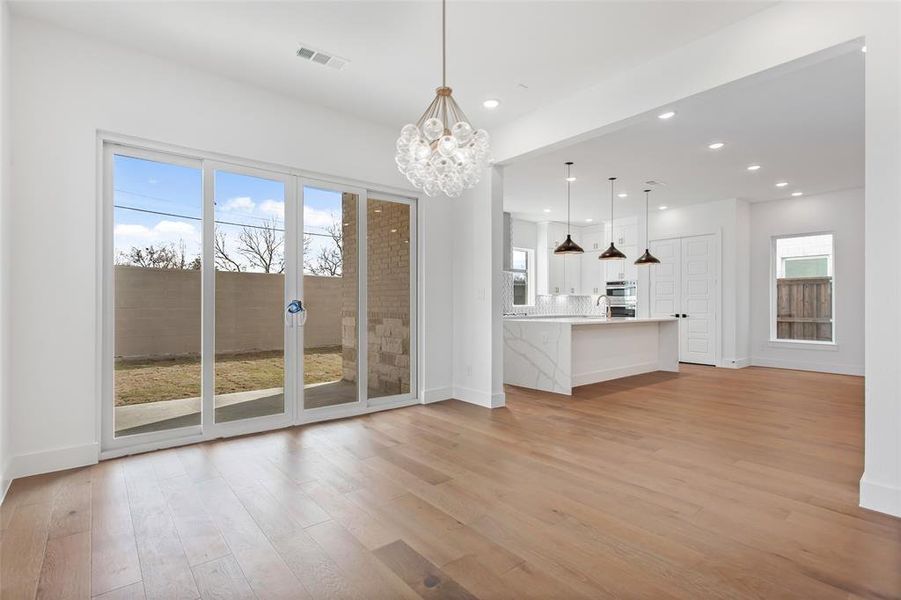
(263, 247)
(224, 261)
(163, 256)
(330, 258)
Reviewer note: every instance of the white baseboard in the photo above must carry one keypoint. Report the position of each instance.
(880, 496)
(437, 394)
(5, 480)
(614, 373)
(480, 398)
(800, 365)
(57, 459)
(735, 363)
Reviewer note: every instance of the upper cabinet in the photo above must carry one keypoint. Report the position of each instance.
(583, 273)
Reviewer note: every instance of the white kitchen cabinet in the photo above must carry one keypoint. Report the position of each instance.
(556, 273)
(622, 269)
(556, 234)
(592, 238)
(593, 274)
(572, 273)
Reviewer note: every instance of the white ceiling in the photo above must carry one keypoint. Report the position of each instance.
(802, 122)
(554, 48)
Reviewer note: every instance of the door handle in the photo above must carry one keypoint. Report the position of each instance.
(295, 307)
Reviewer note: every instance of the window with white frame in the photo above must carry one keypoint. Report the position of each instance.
(523, 277)
(804, 288)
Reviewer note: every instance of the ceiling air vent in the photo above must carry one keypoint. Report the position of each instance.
(654, 183)
(322, 58)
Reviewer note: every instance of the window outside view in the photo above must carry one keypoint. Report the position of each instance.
(157, 259)
(804, 291)
(520, 268)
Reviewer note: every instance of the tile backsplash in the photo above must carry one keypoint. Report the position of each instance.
(550, 305)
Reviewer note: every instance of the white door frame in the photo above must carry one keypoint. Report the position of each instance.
(294, 179)
(718, 295)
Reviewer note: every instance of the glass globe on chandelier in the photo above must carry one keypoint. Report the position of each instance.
(442, 152)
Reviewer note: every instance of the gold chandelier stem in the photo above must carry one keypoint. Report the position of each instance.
(443, 43)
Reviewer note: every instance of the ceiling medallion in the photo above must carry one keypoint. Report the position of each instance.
(442, 152)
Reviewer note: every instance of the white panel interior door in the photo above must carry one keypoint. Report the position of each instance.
(665, 278)
(697, 306)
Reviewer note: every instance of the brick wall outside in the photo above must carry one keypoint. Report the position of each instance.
(349, 287)
(388, 297)
(158, 312)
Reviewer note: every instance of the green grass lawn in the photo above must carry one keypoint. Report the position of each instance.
(151, 380)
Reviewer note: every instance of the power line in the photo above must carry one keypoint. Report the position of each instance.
(190, 218)
(161, 199)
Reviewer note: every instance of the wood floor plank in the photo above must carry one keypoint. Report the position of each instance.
(164, 565)
(71, 510)
(200, 538)
(358, 563)
(66, 572)
(22, 552)
(265, 570)
(222, 579)
(134, 591)
(709, 483)
(422, 576)
(114, 553)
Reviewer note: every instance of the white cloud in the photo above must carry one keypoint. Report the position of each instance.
(241, 203)
(162, 232)
(175, 227)
(320, 219)
(273, 208)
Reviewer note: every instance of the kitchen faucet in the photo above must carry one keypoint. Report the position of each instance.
(606, 304)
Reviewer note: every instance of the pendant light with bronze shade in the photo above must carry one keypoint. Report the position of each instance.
(647, 258)
(568, 246)
(611, 253)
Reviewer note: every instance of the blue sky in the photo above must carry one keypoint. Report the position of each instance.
(176, 192)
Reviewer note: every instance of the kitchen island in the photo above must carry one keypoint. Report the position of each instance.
(556, 354)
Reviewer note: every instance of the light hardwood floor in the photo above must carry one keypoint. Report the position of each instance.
(707, 484)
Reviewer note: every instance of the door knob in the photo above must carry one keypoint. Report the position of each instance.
(295, 307)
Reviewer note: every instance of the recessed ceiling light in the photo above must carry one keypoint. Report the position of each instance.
(797, 193)
(570, 178)
(716, 145)
(782, 184)
(394, 231)
(622, 195)
(589, 220)
(662, 207)
(754, 168)
(491, 103)
(547, 210)
(667, 115)
(864, 49)
(378, 210)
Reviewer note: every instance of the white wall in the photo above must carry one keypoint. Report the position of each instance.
(66, 87)
(478, 292)
(525, 234)
(782, 33)
(841, 213)
(4, 248)
(728, 218)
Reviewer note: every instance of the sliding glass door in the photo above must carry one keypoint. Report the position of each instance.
(241, 299)
(251, 292)
(331, 288)
(157, 208)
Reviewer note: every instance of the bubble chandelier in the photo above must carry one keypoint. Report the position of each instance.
(442, 152)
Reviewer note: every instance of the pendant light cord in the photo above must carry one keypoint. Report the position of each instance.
(443, 43)
(568, 183)
(647, 218)
(612, 179)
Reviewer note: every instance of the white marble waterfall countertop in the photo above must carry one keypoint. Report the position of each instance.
(584, 320)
